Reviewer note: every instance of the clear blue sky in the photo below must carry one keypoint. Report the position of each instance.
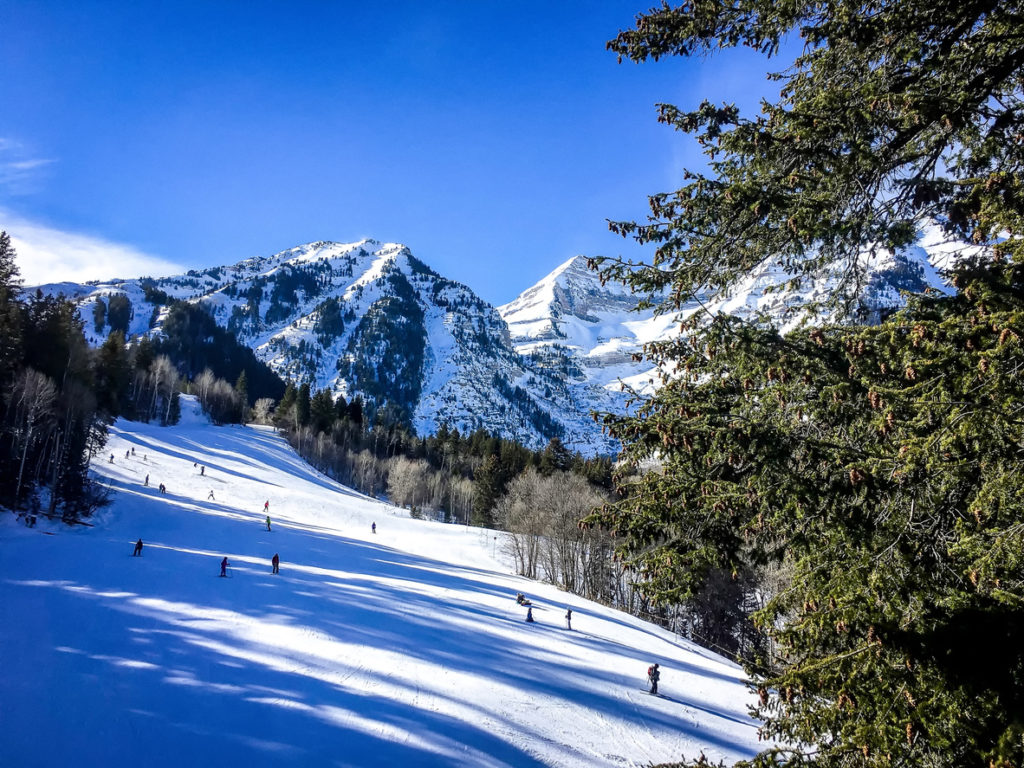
(494, 139)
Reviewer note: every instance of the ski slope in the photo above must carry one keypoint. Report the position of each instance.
(405, 647)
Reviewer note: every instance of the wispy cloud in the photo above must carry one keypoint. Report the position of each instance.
(48, 255)
(20, 171)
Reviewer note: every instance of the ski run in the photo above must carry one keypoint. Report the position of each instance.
(403, 647)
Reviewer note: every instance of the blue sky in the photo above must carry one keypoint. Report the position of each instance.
(492, 139)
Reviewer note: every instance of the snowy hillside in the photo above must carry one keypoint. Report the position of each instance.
(403, 647)
(368, 319)
(594, 330)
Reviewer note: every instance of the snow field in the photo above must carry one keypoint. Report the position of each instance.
(404, 647)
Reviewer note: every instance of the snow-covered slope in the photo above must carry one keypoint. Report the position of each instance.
(403, 647)
(594, 330)
(370, 319)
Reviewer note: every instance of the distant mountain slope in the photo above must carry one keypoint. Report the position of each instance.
(594, 330)
(402, 647)
(370, 319)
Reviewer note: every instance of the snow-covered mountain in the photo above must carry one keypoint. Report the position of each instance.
(403, 647)
(595, 330)
(370, 319)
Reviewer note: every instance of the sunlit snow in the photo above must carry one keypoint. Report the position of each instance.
(404, 647)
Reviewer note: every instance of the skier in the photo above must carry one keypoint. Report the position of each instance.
(210, 497)
(146, 482)
(133, 450)
(138, 549)
(224, 566)
(373, 527)
(276, 562)
(268, 522)
(529, 614)
(126, 454)
(163, 488)
(653, 675)
(202, 471)
(568, 618)
(111, 460)
(266, 506)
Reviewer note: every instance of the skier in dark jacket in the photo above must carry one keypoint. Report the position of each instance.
(529, 614)
(653, 675)
(224, 566)
(276, 562)
(568, 618)
(138, 549)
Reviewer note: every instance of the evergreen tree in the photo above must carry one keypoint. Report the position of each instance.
(302, 405)
(341, 409)
(99, 315)
(882, 461)
(285, 411)
(113, 373)
(321, 411)
(355, 413)
(488, 486)
(555, 458)
(119, 312)
(242, 390)
(11, 312)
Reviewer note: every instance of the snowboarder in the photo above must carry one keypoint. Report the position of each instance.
(210, 497)
(268, 522)
(146, 481)
(568, 618)
(373, 527)
(653, 675)
(276, 562)
(529, 614)
(202, 471)
(224, 566)
(521, 599)
(138, 549)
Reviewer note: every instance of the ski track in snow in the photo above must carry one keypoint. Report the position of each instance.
(403, 647)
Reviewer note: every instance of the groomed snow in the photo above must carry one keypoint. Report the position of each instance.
(404, 647)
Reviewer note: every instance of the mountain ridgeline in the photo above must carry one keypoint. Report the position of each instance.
(369, 319)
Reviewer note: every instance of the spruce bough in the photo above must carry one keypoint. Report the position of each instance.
(882, 462)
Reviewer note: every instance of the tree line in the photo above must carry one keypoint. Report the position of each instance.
(60, 395)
